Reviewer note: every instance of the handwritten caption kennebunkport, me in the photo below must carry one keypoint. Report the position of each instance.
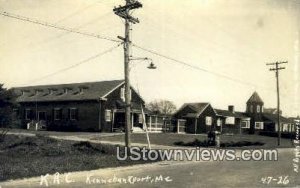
(58, 179)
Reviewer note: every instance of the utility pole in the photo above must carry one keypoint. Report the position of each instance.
(124, 12)
(276, 69)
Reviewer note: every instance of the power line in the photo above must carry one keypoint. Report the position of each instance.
(195, 67)
(53, 38)
(46, 24)
(77, 64)
(66, 17)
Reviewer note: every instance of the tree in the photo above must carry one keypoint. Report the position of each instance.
(163, 107)
(7, 103)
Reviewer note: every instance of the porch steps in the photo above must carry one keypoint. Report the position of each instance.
(137, 130)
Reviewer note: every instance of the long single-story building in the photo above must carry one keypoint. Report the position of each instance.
(91, 106)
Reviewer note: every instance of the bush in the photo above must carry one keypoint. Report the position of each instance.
(275, 134)
(3, 135)
(241, 144)
(195, 143)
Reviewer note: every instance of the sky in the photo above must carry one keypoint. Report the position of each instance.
(220, 48)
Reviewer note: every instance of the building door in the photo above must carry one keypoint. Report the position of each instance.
(41, 116)
(119, 120)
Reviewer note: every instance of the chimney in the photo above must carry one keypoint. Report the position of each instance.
(231, 108)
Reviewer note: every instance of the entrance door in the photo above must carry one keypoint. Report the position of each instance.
(42, 116)
(119, 121)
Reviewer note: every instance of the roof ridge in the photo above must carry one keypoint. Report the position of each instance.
(65, 84)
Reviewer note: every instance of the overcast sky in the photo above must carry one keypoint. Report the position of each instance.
(231, 40)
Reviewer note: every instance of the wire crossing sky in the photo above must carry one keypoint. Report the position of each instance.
(216, 50)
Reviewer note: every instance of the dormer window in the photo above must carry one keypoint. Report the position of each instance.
(66, 90)
(37, 91)
(82, 89)
(23, 92)
(251, 108)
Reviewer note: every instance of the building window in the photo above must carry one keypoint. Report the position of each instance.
(285, 128)
(28, 114)
(73, 115)
(245, 124)
(57, 114)
(259, 125)
(219, 122)
(140, 118)
(258, 108)
(122, 94)
(208, 120)
(107, 115)
(251, 108)
(230, 121)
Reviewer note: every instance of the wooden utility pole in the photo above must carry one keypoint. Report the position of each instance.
(124, 12)
(276, 69)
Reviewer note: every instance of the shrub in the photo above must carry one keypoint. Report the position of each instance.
(3, 135)
(275, 134)
(195, 143)
(241, 144)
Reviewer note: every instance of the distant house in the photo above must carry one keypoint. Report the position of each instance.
(202, 117)
(254, 110)
(230, 121)
(91, 106)
(270, 123)
(265, 120)
(271, 111)
(196, 117)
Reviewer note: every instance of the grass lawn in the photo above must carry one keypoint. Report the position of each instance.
(22, 156)
(170, 138)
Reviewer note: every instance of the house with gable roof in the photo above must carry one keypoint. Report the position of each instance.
(198, 117)
(90, 106)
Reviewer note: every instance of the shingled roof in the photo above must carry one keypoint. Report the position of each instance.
(226, 113)
(255, 98)
(197, 108)
(67, 92)
(273, 118)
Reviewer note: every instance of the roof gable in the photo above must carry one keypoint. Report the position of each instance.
(197, 108)
(227, 113)
(273, 118)
(255, 98)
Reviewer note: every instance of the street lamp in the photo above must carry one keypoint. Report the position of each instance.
(151, 65)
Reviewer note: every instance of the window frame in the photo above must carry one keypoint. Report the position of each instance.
(75, 114)
(208, 120)
(229, 118)
(247, 123)
(258, 108)
(140, 118)
(122, 93)
(261, 125)
(28, 116)
(219, 122)
(108, 115)
(251, 108)
(60, 114)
